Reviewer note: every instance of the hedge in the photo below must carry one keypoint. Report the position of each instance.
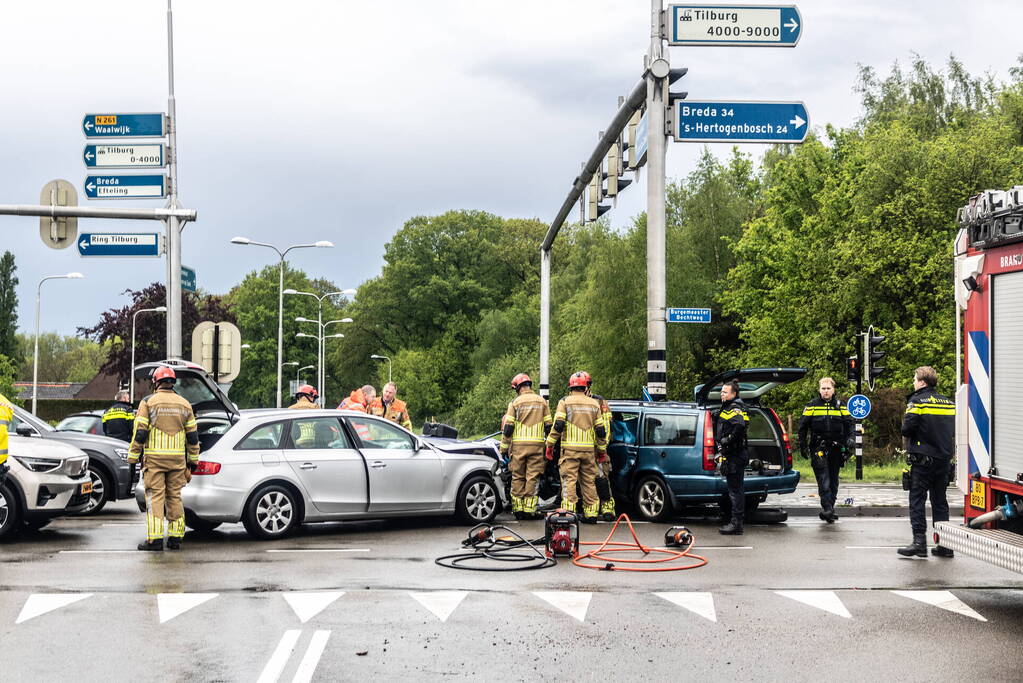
(56, 409)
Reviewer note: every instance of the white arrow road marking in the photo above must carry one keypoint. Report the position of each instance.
(825, 600)
(942, 599)
(175, 604)
(697, 603)
(279, 659)
(441, 603)
(41, 603)
(792, 25)
(308, 605)
(798, 121)
(312, 657)
(572, 603)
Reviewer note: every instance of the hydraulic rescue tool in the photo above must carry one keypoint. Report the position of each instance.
(678, 537)
(561, 533)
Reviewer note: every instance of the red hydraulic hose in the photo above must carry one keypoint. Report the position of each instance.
(611, 563)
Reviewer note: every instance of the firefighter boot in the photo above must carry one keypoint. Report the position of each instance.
(918, 548)
(517, 505)
(156, 544)
(173, 543)
(590, 513)
(942, 551)
(607, 509)
(733, 528)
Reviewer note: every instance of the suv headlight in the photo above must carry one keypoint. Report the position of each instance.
(122, 453)
(38, 464)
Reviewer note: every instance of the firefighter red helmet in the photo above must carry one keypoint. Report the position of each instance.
(164, 374)
(520, 379)
(307, 390)
(580, 379)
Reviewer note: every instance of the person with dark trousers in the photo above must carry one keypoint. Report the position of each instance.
(929, 430)
(730, 427)
(826, 434)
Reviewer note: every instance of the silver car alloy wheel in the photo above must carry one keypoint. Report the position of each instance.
(98, 490)
(651, 499)
(274, 512)
(5, 510)
(480, 500)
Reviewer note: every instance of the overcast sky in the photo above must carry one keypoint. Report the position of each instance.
(340, 120)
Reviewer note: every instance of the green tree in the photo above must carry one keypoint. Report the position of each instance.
(61, 358)
(9, 346)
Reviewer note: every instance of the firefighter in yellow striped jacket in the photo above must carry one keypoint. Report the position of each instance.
(523, 428)
(6, 420)
(603, 482)
(579, 425)
(167, 440)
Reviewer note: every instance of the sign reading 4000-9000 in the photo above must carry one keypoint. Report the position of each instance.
(735, 25)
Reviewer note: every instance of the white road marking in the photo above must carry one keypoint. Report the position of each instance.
(825, 600)
(572, 603)
(441, 603)
(871, 547)
(120, 524)
(697, 603)
(944, 600)
(721, 547)
(171, 605)
(319, 550)
(94, 552)
(312, 657)
(41, 603)
(279, 659)
(308, 605)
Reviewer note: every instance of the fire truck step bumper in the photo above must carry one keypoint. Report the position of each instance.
(1000, 548)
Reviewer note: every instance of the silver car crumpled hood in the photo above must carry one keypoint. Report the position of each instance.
(484, 447)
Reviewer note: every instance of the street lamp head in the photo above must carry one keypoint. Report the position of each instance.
(160, 309)
(323, 244)
(377, 357)
(245, 346)
(347, 320)
(334, 336)
(290, 291)
(74, 276)
(240, 240)
(349, 292)
(300, 319)
(303, 334)
(289, 363)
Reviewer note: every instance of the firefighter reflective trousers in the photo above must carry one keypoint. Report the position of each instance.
(579, 467)
(526, 466)
(163, 499)
(928, 478)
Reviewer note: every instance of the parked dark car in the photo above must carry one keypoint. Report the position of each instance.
(108, 458)
(86, 422)
(663, 453)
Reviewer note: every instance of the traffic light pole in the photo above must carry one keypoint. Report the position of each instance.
(174, 226)
(859, 423)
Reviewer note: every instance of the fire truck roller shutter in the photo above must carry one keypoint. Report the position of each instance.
(1007, 373)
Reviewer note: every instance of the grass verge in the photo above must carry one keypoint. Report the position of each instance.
(884, 473)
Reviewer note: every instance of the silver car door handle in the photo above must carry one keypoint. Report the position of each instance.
(378, 464)
(307, 466)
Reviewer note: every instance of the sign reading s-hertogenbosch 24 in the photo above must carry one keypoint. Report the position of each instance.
(126, 186)
(740, 121)
(124, 125)
(736, 25)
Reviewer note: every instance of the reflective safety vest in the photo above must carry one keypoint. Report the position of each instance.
(117, 421)
(578, 424)
(165, 429)
(929, 424)
(395, 411)
(6, 422)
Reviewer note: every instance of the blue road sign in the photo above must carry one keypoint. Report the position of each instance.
(124, 125)
(119, 244)
(688, 315)
(126, 186)
(859, 406)
(188, 280)
(734, 25)
(125, 155)
(740, 121)
(646, 395)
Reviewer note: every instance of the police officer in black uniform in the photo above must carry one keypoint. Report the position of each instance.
(929, 430)
(826, 437)
(119, 419)
(730, 438)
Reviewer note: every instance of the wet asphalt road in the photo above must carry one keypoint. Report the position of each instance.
(796, 601)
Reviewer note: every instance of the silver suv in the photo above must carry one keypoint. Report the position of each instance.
(47, 479)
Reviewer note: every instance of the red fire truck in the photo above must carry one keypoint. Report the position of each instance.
(989, 399)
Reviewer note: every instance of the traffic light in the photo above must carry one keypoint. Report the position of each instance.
(670, 97)
(852, 368)
(615, 182)
(595, 192)
(872, 356)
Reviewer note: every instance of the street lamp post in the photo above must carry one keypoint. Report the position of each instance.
(388, 364)
(298, 374)
(320, 350)
(35, 353)
(280, 295)
(134, 317)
